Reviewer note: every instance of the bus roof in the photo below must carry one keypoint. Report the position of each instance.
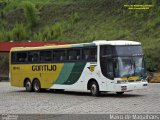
(94, 43)
(116, 42)
(52, 47)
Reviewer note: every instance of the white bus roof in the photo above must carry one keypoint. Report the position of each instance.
(116, 42)
(97, 42)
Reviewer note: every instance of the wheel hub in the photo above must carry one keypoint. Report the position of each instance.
(28, 85)
(93, 88)
(36, 86)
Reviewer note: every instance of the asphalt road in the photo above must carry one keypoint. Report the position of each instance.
(17, 101)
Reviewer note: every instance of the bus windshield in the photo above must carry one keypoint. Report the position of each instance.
(129, 66)
(126, 60)
(128, 50)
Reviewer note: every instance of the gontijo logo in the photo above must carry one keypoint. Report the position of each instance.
(92, 67)
(44, 68)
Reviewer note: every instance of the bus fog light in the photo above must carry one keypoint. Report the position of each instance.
(144, 84)
(123, 87)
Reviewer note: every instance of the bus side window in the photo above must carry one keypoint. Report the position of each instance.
(13, 57)
(109, 68)
(33, 56)
(89, 54)
(93, 54)
(59, 56)
(85, 54)
(21, 57)
(74, 55)
(45, 56)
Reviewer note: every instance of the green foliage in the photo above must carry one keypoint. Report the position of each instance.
(152, 24)
(75, 17)
(57, 30)
(4, 60)
(19, 32)
(151, 60)
(38, 37)
(1, 36)
(2, 3)
(31, 13)
(5, 35)
(46, 33)
(8, 5)
(4, 63)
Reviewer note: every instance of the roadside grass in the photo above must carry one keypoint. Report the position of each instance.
(14, 4)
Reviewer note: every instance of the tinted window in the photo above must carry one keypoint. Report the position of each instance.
(59, 55)
(90, 54)
(106, 51)
(45, 56)
(13, 57)
(74, 54)
(33, 56)
(21, 57)
(128, 50)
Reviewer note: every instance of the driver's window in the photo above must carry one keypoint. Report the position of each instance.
(109, 68)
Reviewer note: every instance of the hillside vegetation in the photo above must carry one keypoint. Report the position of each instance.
(82, 21)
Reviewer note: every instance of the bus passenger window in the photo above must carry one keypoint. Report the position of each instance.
(86, 54)
(33, 56)
(21, 57)
(74, 55)
(59, 55)
(45, 56)
(90, 54)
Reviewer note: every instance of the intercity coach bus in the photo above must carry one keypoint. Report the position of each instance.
(101, 66)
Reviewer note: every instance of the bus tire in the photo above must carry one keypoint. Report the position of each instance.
(36, 85)
(28, 86)
(119, 93)
(94, 88)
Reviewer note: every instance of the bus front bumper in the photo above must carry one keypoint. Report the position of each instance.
(130, 86)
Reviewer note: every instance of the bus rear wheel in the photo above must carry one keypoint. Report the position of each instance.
(28, 86)
(36, 85)
(94, 88)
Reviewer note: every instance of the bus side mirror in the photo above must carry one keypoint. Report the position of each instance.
(111, 75)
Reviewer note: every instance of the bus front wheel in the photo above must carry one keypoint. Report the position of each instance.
(36, 85)
(94, 88)
(28, 86)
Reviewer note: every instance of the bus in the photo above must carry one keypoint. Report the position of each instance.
(100, 66)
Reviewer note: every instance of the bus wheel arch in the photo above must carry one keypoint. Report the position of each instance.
(28, 85)
(36, 85)
(93, 86)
